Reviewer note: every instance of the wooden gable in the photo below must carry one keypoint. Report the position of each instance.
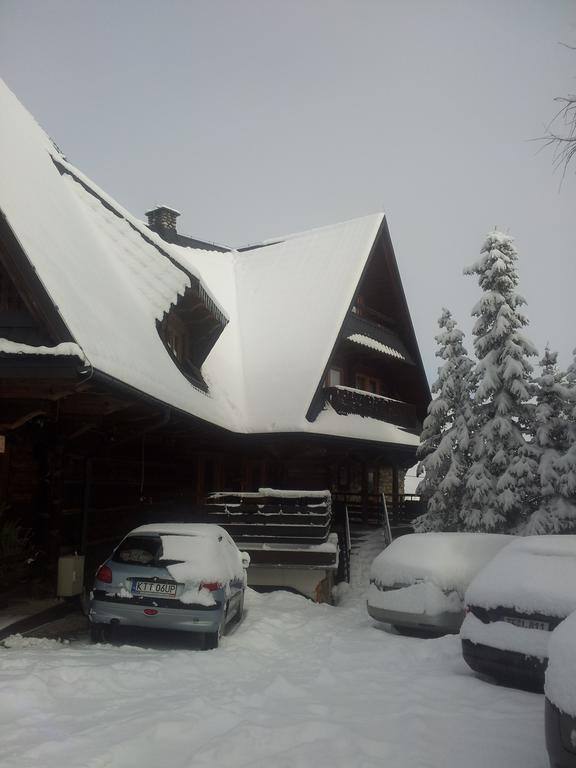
(376, 351)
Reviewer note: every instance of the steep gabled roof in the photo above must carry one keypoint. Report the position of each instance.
(111, 279)
(287, 302)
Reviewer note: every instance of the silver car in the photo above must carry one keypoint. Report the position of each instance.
(176, 576)
(418, 583)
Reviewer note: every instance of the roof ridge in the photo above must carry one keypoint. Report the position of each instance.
(305, 232)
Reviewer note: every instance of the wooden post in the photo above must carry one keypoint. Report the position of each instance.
(395, 490)
(200, 477)
(364, 491)
(86, 506)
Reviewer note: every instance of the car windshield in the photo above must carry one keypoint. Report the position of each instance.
(138, 550)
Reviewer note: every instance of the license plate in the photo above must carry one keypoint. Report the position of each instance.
(527, 623)
(155, 588)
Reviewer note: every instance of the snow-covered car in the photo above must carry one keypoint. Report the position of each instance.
(560, 690)
(514, 604)
(178, 576)
(419, 581)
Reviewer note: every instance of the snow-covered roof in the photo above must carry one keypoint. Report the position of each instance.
(112, 279)
(286, 302)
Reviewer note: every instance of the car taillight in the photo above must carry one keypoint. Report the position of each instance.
(211, 586)
(104, 573)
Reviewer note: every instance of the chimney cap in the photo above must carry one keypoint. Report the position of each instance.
(159, 208)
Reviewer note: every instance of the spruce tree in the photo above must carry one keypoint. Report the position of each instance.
(552, 508)
(443, 451)
(504, 462)
(567, 464)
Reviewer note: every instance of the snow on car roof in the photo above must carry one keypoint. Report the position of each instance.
(181, 529)
(534, 574)
(449, 560)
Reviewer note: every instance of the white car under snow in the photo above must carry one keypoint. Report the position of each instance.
(419, 581)
(514, 604)
(560, 690)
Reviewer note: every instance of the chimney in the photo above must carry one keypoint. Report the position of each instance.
(162, 220)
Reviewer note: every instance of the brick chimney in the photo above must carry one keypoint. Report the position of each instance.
(162, 220)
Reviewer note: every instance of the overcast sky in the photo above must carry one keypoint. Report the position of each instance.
(257, 118)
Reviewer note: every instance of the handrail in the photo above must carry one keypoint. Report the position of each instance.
(387, 529)
(347, 530)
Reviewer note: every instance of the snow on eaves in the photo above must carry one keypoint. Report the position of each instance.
(366, 341)
(66, 349)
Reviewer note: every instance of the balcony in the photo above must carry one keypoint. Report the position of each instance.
(377, 338)
(345, 400)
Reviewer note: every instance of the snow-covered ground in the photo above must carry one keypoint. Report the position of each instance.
(296, 684)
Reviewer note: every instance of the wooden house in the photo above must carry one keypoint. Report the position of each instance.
(140, 367)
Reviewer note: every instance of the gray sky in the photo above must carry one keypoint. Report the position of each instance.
(257, 118)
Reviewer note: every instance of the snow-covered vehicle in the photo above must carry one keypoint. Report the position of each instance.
(178, 576)
(560, 690)
(514, 604)
(419, 581)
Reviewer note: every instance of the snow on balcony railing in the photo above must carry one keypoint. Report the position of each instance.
(345, 400)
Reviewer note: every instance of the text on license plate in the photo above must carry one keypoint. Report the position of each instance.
(160, 588)
(527, 623)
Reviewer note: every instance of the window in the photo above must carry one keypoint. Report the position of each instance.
(138, 550)
(175, 337)
(335, 377)
(369, 384)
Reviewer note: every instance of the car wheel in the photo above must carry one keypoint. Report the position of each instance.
(240, 610)
(212, 639)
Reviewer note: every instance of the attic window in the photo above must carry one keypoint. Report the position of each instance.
(177, 340)
(189, 330)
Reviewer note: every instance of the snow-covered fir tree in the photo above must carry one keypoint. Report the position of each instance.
(443, 451)
(553, 512)
(567, 482)
(503, 476)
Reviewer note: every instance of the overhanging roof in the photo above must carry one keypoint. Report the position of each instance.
(111, 279)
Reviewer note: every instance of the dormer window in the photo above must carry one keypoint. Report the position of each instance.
(175, 337)
(189, 330)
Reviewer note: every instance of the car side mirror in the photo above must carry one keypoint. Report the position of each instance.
(245, 557)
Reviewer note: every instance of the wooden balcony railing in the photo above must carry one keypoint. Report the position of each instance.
(346, 400)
